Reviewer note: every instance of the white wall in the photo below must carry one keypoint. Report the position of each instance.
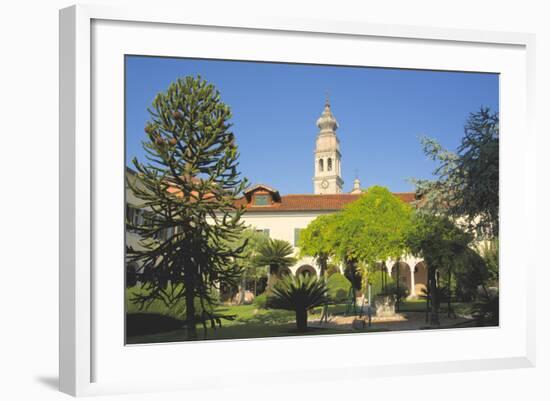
(281, 225)
(28, 165)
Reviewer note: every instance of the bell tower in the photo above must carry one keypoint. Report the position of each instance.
(328, 176)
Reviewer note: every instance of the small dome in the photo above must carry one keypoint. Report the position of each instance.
(356, 186)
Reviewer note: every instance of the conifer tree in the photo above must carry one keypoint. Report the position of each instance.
(467, 181)
(187, 185)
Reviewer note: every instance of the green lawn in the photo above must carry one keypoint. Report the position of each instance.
(250, 314)
(249, 322)
(235, 331)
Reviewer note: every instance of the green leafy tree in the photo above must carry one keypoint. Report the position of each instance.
(441, 244)
(250, 242)
(299, 294)
(318, 240)
(188, 183)
(467, 182)
(370, 230)
(276, 254)
(488, 250)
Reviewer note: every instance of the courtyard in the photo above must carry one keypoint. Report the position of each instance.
(253, 322)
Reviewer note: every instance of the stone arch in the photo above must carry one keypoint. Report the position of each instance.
(306, 270)
(321, 165)
(404, 274)
(420, 277)
(329, 164)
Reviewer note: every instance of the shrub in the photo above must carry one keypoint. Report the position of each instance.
(150, 323)
(374, 278)
(260, 301)
(332, 269)
(338, 287)
(486, 312)
(340, 296)
(401, 293)
(176, 310)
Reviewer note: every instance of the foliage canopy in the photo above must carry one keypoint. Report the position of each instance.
(373, 228)
(467, 182)
(319, 238)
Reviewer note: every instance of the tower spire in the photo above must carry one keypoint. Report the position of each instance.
(328, 177)
(327, 124)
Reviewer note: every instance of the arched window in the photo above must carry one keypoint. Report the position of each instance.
(329, 164)
(321, 165)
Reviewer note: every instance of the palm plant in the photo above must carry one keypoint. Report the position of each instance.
(276, 254)
(299, 294)
(442, 293)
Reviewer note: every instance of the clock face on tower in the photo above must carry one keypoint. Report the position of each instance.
(324, 184)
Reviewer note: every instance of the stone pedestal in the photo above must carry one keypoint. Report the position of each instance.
(384, 305)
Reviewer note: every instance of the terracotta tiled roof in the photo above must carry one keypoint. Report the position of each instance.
(313, 202)
(295, 202)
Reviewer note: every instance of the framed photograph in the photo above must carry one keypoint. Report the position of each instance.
(259, 189)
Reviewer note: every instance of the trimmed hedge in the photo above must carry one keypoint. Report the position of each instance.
(138, 324)
(338, 287)
(176, 311)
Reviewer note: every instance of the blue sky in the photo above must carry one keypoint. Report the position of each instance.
(381, 112)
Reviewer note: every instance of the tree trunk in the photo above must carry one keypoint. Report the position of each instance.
(449, 295)
(271, 278)
(397, 284)
(190, 307)
(385, 276)
(323, 275)
(428, 299)
(323, 266)
(242, 289)
(485, 292)
(301, 319)
(434, 315)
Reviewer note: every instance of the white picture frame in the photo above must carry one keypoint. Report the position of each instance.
(91, 363)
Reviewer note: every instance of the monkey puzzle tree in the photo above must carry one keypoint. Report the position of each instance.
(188, 185)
